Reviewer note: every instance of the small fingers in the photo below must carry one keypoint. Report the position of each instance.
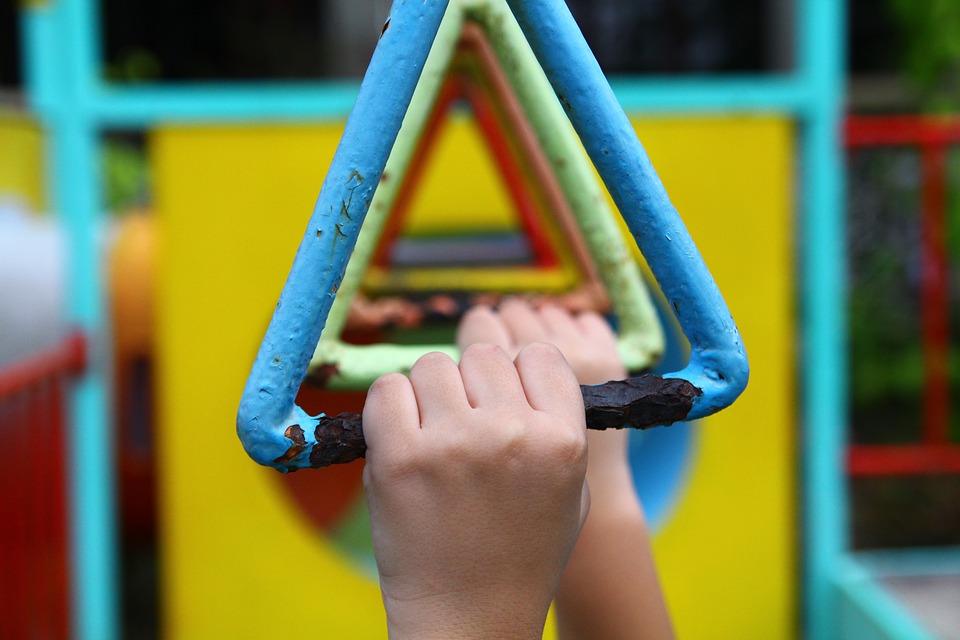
(489, 377)
(596, 329)
(548, 382)
(482, 324)
(438, 388)
(390, 416)
(562, 327)
(523, 322)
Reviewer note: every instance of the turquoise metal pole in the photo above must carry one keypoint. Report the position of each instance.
(93, 535)
(61, 60)
(77, 185)
(821, 55)
(145, 105)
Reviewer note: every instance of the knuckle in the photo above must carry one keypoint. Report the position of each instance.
(546, 349)
(568, 450)
(431, 360)
(388, 384)
(541, 351)
(477, 314)
(483, 351)
(384, 393)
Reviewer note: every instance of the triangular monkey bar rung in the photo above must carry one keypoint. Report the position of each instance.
(276, 432)
(341, 365)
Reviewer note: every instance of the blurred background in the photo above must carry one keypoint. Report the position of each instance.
(166, 184)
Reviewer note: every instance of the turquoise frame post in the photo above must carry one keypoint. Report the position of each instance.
(62, 69)
(62, 66)
(821, 58)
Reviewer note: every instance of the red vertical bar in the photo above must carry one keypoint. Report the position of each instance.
(42, 567)
(34, 586)
(59, 605)
(18, 519)
(934, 295)
(32, 509)
(6, 517)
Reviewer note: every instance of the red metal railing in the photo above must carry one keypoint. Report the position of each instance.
(34, 590)
(933, 137)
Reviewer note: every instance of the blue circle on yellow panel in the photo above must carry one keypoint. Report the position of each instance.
(660, 458)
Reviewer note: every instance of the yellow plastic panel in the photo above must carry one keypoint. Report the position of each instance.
(21, 159)
(241, 561)
(727, 556)
(238, 560)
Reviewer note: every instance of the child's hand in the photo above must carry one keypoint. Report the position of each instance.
(474, 479)
(609, 589)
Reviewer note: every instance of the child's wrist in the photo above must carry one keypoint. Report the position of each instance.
(464, 616)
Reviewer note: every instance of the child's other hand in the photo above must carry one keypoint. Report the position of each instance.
(474, 480)
(590, 347)
(585, 340)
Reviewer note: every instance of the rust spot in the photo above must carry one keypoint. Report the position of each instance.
(641, 402)
(320, 376)
(339, 440)
(386, 25)
(295, 433)
(319, 232)
(384, 176)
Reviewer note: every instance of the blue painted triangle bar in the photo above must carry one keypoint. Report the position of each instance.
(718, 361)
(275, 431)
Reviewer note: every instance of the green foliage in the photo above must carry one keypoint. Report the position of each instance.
(135, 65)
(125, 173)
(930, 30)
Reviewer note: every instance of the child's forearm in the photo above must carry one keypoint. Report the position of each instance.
(610, 588)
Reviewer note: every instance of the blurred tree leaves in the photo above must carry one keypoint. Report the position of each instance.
(126, 175)
(930, 30)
